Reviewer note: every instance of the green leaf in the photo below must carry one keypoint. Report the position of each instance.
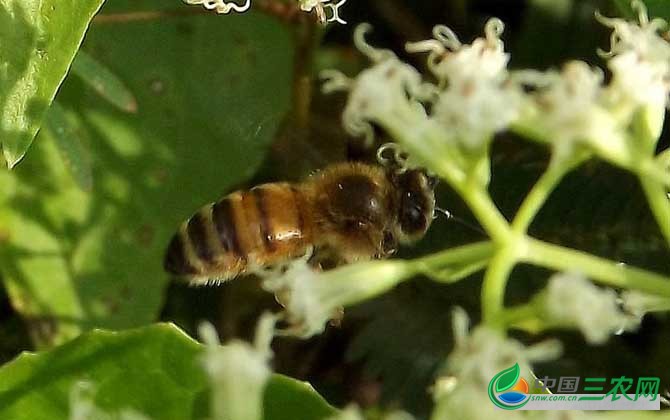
(288, 399)
(68, 136)
(507, 378)
(154, 371)
(104, 82)
(39, 41)
(211, 92)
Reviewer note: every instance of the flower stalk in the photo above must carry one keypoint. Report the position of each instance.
(558, 167)
(659, 203)
(614, 274)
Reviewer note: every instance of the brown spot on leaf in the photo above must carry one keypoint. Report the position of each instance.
(145, 235)
(112, 304)
(157, 86)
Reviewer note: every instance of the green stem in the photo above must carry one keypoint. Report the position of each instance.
(486, 212)
(518, 314)
(659, 202)
(654, 172)
(664, 158)
(459, 256)
(620, 157)
(462, 272)
(540, 192)
(454, 274)
(599, 269)
(454, 264)
(495, 282)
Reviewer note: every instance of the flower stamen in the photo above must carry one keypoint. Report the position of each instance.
(221, 6)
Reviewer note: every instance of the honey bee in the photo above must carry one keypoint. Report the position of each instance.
(354, 211)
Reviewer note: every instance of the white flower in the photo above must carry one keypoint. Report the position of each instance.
(321, 6)
(383, 94)
(221, 6)
(568, 108)
(456, 63)
(238, 372)
(473, 99)
(380, 94)
(640, 58)
(312, 298)
(570, 300)
(476, 358)
(567, 99)
(476, 112)
(476, 99)
(352, 412)
(479, 355)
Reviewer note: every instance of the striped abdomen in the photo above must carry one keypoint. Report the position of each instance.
(244, 230)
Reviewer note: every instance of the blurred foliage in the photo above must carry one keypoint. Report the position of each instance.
(155, 371)
(39, 41)
(66, 131)
(104, 82)
(209, 98)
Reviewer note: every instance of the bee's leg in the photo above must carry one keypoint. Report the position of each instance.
(337, 317)
(325, 258)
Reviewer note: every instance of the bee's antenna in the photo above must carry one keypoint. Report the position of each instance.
(450, 216)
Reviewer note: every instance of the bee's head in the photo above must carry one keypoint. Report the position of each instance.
(415, 204)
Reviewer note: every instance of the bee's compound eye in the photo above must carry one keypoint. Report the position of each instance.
(415, 205)
(412, 218)
(413, 215)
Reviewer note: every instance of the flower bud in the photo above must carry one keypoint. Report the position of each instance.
(571, 301)
(238, 372)
(312, 298)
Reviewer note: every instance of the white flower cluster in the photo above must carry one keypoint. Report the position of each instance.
(570, 300)
(476, 96)
(312, 298)
(474, 99)
(471, 101)
(639, 58)
(238, 372)
(574, 107)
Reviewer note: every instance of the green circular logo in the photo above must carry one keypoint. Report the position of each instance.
(508, 390)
